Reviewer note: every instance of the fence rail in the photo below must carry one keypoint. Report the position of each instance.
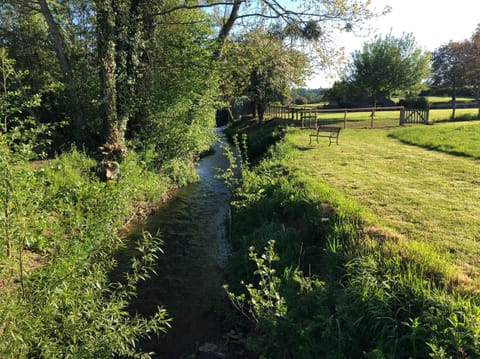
(347, 117)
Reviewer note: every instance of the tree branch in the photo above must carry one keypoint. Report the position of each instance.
(192, 7)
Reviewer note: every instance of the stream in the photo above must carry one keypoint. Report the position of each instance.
(191, 272)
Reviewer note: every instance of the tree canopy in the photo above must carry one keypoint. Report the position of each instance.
(262, 68)
(115, 70)
(457, 64)
(389, 65)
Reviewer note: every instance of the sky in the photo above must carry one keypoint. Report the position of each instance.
(432, 22)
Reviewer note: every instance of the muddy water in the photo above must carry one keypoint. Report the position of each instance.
(190, 273)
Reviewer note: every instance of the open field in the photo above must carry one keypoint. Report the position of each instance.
(426, 200)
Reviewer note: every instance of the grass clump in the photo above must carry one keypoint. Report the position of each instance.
(328, 272)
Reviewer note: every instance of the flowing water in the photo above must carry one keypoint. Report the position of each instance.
(190, 273)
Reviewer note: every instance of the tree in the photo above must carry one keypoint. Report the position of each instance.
(111, 37)
(263, 68)
(473, 69)
(387, 65)
(450, 65)
(307, 17)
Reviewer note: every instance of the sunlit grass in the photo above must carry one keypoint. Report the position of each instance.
(426, 199)
(435, 99)
(455, 138)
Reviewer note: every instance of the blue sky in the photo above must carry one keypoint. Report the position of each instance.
(432, 22)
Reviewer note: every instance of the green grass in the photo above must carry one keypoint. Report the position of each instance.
(443, 115)
(426, 201)
(436, 99)
(386, 234)
(460, 139)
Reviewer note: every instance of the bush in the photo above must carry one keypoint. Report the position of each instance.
(417, 102)
(301, 100)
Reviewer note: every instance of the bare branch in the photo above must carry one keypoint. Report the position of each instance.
(191, 7)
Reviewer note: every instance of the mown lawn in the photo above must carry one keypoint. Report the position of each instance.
(460, 139)
(427, 201)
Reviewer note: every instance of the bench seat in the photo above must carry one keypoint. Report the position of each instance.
(331, 133)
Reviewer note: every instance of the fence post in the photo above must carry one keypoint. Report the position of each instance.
(402, 116)
(345, 118)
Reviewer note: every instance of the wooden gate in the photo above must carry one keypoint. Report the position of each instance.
(413, 115)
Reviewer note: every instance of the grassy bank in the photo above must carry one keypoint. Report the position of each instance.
(60, 233)
(374, 251)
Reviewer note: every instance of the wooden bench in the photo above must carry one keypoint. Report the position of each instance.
(328, 132)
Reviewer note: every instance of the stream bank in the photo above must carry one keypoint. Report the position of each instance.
(191, 272)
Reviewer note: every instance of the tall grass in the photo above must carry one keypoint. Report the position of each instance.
(61, 225)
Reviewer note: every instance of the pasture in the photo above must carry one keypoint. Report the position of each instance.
(423, 195)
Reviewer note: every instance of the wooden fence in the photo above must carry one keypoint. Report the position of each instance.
(415, 116)
(348, 117)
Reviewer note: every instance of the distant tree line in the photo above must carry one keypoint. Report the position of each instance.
(390, 66)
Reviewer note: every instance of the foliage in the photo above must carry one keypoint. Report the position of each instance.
(456, 65)
(23, 133)
(312, 95)
(72, 96)
(301, 101)
(417, 102)
(366, 294)
(449, 64)
(389, 65)
(264, 68)
(58, 298)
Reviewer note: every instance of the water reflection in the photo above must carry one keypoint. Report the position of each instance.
(190, 274)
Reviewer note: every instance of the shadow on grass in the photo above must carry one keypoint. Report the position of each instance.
(440, 148)
(305, 148)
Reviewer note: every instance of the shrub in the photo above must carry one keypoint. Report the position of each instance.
(301, 100)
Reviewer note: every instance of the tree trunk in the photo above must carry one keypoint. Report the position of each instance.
(62, 56)
(260, 111)
(477, 98)
(114, 148)
(56, 37)
(372, 115)
(454, 101)
(227, 27)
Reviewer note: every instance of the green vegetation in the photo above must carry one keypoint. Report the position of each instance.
(366, 249)
(61, 227)
(135, 85)
(437, 99)
(389, 65)
(459, 139)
